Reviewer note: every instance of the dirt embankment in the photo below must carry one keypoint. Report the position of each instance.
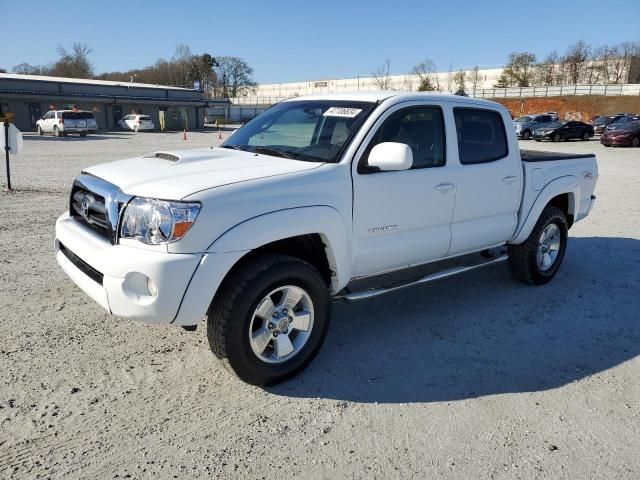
(575, 107)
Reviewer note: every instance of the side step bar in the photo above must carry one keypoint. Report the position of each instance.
(376, 292)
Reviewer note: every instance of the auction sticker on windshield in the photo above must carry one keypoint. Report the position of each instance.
(342, 112)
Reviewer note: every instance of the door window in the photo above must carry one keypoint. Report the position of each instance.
(481, 135)
(421, 128)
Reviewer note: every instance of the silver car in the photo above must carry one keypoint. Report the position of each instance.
(526, 124)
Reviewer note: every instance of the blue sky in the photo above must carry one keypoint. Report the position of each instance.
(305, 40)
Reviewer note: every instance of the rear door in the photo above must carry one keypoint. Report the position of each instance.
(403, 218)
(488, 180)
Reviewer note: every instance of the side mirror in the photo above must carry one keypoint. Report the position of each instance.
(390, 156)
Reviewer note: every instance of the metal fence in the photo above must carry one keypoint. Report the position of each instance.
(610, 90)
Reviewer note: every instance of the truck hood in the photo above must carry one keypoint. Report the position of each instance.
(177, 174)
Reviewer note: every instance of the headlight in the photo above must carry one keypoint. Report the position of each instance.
(157, 221)
(518, 127)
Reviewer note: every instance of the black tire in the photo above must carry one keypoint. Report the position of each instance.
(40, 132)
(538, 140)
(56, 132)
(586, 136)
(231, 311)
(83, 134)
(635, 142)
(556, 138)
(526, 135)
(523, 257)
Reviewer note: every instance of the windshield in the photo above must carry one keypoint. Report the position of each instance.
(311, 130)
(523, 119)
(603, 120)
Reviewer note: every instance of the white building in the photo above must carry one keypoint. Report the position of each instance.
(487, 78)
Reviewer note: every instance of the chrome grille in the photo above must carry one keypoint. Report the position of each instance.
(97, 204)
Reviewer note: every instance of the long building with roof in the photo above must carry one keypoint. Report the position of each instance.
(29, 97)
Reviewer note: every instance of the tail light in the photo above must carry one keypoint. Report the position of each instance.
(61, 121)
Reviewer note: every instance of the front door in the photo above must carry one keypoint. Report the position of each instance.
(117, 115)
(488, 181)
(35, 114)
(403, 218)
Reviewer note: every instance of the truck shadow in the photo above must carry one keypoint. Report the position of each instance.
(484, 333)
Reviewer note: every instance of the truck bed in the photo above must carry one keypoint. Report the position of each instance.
(538, 156)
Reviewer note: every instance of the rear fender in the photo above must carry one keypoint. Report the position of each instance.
(563, 185)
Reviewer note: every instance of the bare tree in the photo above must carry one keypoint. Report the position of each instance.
(427, 76)
(546, 72)
(519, 68)
(460, 81)
(234, 77)
(381, 76)
(74, 63)
(475, 78)
(575, 60)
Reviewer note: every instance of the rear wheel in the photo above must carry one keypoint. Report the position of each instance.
(269, 318)
(526, 135)
(83, 134)
(40, 131)
(537, 260)
(635, 142)
(556, 138)
(586, 136)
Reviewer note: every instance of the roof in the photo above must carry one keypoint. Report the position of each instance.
(380, 95)
(87, 81)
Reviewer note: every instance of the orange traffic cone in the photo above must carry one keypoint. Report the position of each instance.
(184, 135)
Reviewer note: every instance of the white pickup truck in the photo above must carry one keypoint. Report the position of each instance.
(317, 199)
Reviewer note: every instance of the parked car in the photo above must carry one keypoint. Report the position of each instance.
(565, 130)
(136, 123)
(526, 124)
(627, 135)
(601, 122)
(317, 198)
(64, 122)
(621, 122)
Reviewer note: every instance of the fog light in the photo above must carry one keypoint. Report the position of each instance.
(153, 290)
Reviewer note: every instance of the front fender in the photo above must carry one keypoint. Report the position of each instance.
(567, 184)
(323, 220)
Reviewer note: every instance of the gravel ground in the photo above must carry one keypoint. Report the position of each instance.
(473, 377)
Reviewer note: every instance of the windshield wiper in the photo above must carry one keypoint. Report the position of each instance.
(242, 148)
(274, 152)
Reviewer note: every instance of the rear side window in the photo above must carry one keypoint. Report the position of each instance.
(481, 135)
(144, 117)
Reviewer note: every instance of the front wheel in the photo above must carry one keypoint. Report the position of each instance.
(526, 135)
(40, 131)
(269, 318)
(635, 142)
(537, 260)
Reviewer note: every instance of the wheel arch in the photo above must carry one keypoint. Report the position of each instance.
(316, 234)
(563, 193)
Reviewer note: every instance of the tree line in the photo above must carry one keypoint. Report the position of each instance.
(581, 63)
(220, 76)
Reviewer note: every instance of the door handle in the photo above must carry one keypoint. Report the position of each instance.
(443, 187)
(510, 179)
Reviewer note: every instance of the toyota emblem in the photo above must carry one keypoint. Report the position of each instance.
(84, 207)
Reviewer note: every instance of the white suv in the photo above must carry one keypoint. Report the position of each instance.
(63, 122)
(136, 123)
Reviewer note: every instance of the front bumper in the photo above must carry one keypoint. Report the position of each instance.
(619, 141)
(118, 277)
